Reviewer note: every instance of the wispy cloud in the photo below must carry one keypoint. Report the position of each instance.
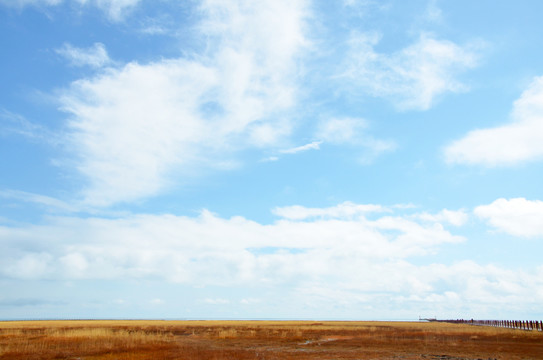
(46, 201)
(453, 217)
(343, 210)
(95, 56)
(517, 142)
(342, 130)
(412, 77)
(353, 132)
(21, 3)
(315, 145)
(20, 302)
(217, 301)
(433, 12)
(15, 124)
(115, 9)
(270, 159)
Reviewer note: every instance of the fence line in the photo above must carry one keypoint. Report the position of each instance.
(509, 324)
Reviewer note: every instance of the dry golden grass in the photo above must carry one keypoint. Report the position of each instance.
(86, 340)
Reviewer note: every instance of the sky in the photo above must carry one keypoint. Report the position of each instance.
(272, 159)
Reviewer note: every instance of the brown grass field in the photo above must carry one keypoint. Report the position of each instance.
(138, 339)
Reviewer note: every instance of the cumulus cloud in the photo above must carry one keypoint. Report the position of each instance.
(411, 78)
(517, 217)
(510, 144)
(303, 244)
(115, 9)
(132, 128)
(340, 253)
(129, 127)
(319, 257)
(95, 56)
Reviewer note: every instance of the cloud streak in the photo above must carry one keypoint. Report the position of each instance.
(315, 145)
(46, 201)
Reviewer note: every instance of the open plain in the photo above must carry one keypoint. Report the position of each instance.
(139, 339)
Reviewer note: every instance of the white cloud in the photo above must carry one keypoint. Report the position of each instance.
(212, 250)
(518, 217)
(269, 159)
(115, 9)
(315, 145)
(352, 131)
(456, 218)
(21, 3)
(16, 124)
(129, 127)
(343, 210)
(411, 78)
(132, 128)
(341, 130)
(340, 257)
(433, 12)
(250, 301)
(510, 144)
(95, 56)
(49, 202)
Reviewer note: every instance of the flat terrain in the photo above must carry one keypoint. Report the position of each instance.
(86, 340)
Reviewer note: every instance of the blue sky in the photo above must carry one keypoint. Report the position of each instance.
(272, 159)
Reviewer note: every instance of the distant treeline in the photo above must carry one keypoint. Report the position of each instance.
(511, 324)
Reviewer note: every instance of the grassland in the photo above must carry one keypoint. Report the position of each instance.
(138, 340)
